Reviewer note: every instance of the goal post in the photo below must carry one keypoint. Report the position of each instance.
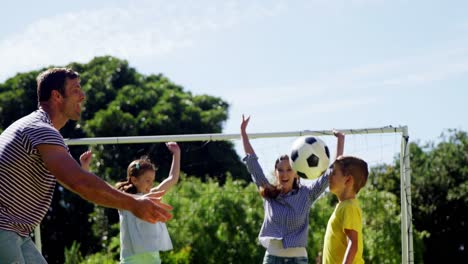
(407, 254)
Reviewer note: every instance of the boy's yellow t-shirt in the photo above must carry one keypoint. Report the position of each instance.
(347, 215)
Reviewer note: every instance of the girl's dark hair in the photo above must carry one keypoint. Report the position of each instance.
(271, 191)
(136, 168)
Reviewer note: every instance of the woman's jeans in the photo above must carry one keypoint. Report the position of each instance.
(270, 259)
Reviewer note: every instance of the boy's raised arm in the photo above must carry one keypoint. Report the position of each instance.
(340, 139)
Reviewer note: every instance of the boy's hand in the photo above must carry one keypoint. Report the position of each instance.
(340, 138)
(85, 159)
(173, 148)
(245, 122)
(338, 134)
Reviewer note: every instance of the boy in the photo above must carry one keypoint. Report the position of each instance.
(343, 238)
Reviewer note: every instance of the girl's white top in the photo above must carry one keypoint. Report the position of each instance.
(138, 236)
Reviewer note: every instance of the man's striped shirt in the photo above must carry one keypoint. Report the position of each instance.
(26, 185)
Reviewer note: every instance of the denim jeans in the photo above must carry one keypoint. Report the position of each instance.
(270, 259)
(15, 249)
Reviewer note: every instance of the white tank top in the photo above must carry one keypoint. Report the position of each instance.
(275, 248)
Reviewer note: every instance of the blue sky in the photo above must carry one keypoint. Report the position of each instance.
(292, 65)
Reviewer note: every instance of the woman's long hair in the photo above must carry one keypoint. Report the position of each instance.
(271, 191)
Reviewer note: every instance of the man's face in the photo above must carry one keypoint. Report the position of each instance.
(73, 99)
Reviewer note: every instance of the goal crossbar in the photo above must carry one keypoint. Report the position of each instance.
(220, 137)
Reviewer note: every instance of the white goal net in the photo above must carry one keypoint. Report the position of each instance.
(375, 145)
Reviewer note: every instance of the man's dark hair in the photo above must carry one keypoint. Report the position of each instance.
(53, 79)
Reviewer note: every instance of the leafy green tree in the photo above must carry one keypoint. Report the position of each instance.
(439, 187)
(381, 226)
(73, 254)
(216, 223)
(18, 97)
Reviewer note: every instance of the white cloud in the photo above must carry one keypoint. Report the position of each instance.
(292, 106)
(339, 104)
(352, 83)
(414, 71)
(433, 65)
(146, 29)
(357, 88)
(317, 98)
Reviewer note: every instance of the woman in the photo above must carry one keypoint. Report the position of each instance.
(286, 203)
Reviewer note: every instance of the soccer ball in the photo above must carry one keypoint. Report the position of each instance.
(310, 157)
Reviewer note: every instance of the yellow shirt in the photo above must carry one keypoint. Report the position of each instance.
(347, 215)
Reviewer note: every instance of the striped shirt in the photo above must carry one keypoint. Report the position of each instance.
(26, 185)
(287, 216)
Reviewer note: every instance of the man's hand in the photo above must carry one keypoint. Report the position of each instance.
(150, 208)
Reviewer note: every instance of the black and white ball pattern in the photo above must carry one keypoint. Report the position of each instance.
(310, 157)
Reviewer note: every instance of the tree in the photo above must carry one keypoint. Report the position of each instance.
(17, 97)
(439, 186)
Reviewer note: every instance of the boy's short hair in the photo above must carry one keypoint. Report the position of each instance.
(356, 167)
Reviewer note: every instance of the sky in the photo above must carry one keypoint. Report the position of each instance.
(290, 65)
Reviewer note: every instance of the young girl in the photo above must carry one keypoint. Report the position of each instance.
(286, 203)
(141, 241)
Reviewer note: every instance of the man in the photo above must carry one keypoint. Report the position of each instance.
(33, 156)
